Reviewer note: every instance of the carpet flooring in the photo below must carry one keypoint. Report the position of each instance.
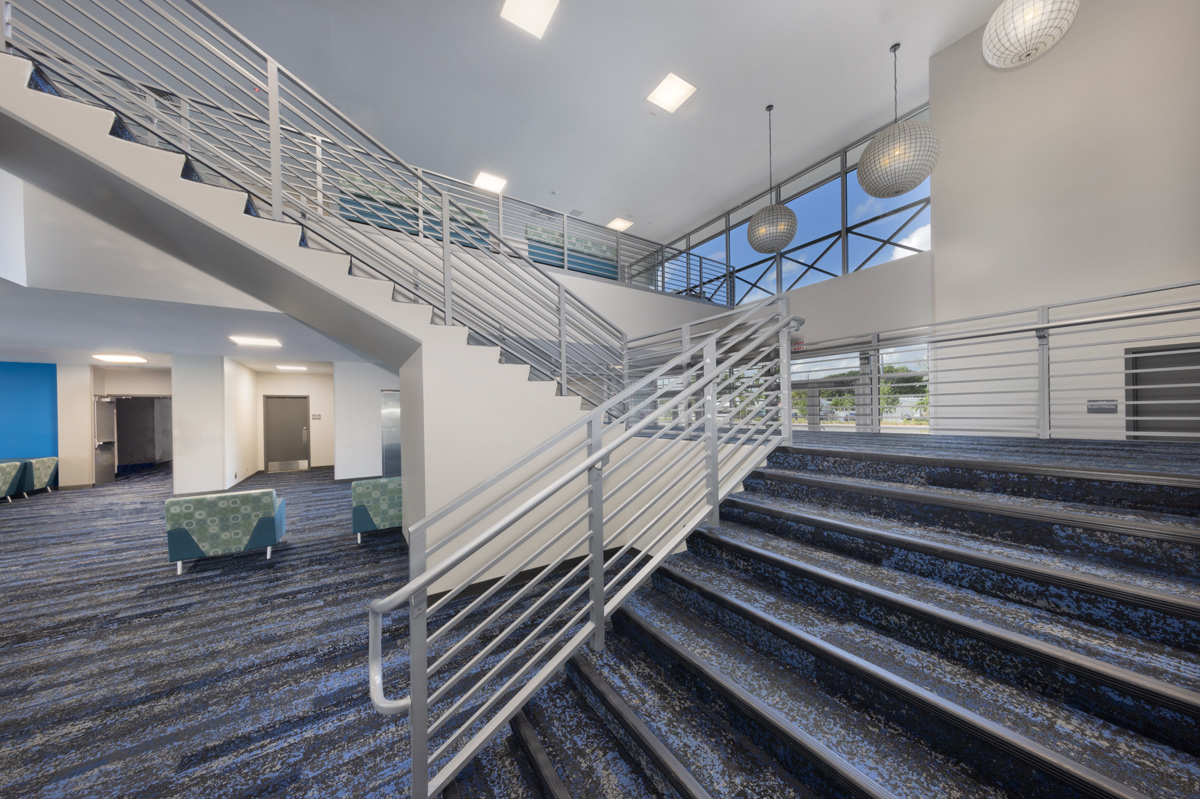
(243, 677)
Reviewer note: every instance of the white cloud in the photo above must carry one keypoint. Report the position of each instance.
(921, 239)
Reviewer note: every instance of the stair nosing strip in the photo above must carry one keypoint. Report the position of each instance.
(1135, 595)
(1154, 530)
(682, 780)
(1015, 467)
(822, 758)
(539, 762)
(1173, 697)
(994, 733)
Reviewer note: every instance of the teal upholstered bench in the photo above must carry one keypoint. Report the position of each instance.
(220, 524)
(378, 505)
(41, 473)
(12, 478)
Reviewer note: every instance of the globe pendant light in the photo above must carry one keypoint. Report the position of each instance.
(1021, 30)
(901, 155)
(771, 228)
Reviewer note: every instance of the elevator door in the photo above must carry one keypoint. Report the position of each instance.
(285, 433)
(1163, 393)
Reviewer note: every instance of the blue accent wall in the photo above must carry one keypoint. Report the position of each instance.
(28, 410)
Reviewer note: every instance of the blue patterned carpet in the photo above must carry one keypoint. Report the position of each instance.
(243, 677)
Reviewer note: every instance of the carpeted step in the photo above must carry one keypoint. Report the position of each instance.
(1146, 686)
(539, 762)
(591, 761)
(1130, 601)
(1072, 480)
(725, 762)
(827, 743)
(1160, 543)
(500, 771)
(1020, 739)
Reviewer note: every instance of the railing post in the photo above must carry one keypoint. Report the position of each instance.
(562, 338)
(1043, 380)
(418, 675)
(710, 431)
(319, 155)
(785, 369)
(565, 267)
(621, 275)
(596, 533)
(8, 45)
(276, 139)
(447, 263)
(730, 294)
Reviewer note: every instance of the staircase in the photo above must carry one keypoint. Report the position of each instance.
(885, 616)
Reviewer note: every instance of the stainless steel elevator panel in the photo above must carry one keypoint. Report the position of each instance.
(391, 433)
(286, 444)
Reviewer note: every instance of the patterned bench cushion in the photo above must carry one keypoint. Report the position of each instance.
(10, 471)
(382, 499)
(43, 471)
(220, 523)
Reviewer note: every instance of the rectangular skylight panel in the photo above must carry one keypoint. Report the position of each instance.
(619, 224)
(284, 367)
(251, 341)
(120, 358)
(530, 15)
(671, 93)
(490, 183)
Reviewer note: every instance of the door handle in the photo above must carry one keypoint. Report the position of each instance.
(304, 434)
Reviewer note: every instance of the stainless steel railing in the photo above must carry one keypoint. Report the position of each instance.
(1124, 366)
(181, 78)
(576, 526)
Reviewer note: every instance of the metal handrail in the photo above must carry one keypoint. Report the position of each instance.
(187, 81)
(715, 408)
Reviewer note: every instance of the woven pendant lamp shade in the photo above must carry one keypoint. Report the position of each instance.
(771, 228)
(901, 155)
(1022, 30)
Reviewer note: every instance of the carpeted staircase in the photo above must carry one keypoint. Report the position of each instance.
(880, 616)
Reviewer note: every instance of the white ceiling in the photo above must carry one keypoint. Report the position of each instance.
(450, 86)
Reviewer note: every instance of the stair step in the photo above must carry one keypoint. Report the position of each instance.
(1067, 482)
(1146, 686)
(1130, 601)
(825, 742)
(659, 763)
(535, 755)
(499, 771)
(1023, 737)
(591, 761)
(1126, 538)
(725, 762)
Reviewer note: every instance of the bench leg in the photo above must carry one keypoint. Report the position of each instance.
(360, 538)
(268, 553)
(179, 567)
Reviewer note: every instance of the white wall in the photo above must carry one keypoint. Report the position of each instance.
(12, 229)
(634, 310)
(358, 441)
(1074, 176)
(76, 440)
(133, 382)
(319, 390)
(198, 423)
(241, 423)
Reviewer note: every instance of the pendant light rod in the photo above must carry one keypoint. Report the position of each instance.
(770, 151)
(895, 85)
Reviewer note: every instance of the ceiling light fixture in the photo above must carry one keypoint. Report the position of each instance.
(120, 358)
(901, 155)
(671, 93)
(771, 228)
(490, 183)
(283, 367)
(250, 341)
(619, 224)
(529, 15)
(1022, 30)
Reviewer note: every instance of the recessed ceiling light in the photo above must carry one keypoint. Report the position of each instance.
(489, 182)
(250, 341)
(120, 358)
(619, 224)
(530, 15)
(283, 367)
(671, 93)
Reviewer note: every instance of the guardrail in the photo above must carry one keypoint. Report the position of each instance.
(180, 78)
(591, 512)
(1123, 366)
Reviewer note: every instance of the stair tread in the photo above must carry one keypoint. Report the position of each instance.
(1151, 659)
(1004, 503)
(723, 760)
(880, 752)
(590, 760)
(1182, 588)
(1167, 457)
(499, 771)
(1134, 760)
